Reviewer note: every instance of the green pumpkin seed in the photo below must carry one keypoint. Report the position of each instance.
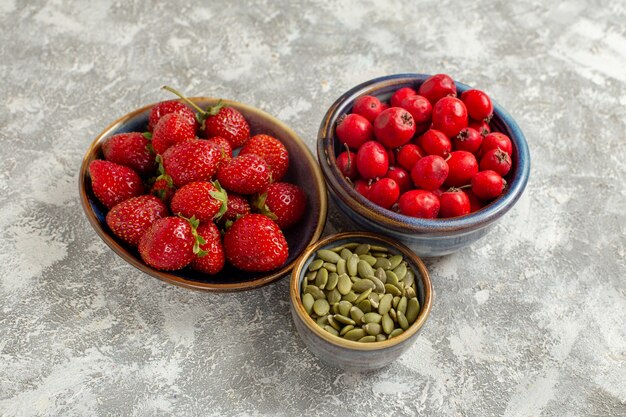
(345, 254)
(333, 278)
(354, 334)
(308, 301)
(346, 329)
(364, 269)
(402, 321)
(371, 318)
(322, 321)
(365, 306)
(334, 308)
(381, 337)
(385, 304)
(395, 333)
(311, 275)
(392, 289)
(379, 286)
(373, 304)
(352, 264)
(369, 259)
(351, 246)
(380, 274)
(354, 279)
(341, 267)
(372, 328)
(392, 278)
(344, 308)
(333, 322)
(351, 297)
(363, 285)
(367, 339)
(374, 297)
(382, 263)
(402, 304)
(316, 264)
(334, 297)
(362, 249)
(343, 319)
(331, 330)
(409, 278)
(412, 310)
(321, 278)
(344, 284)
(395, 302)
(328, 256)
(330, 267)
(393, 315)
(379, 248)
(387, 324)
(379, 254)
(321, 307)
(400, 270)
(356, 314)
(337, 249)
(314, 291)
(410, 293)
(395, 261)
(363, 295)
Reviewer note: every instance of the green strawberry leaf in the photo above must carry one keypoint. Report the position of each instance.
(147, 135)
(221, 196)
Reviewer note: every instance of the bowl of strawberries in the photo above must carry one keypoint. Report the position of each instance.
(204, 193)
(422, 158)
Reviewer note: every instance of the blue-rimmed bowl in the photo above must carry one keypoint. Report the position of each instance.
(427, 237)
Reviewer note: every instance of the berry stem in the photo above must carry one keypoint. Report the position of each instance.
(185, 99)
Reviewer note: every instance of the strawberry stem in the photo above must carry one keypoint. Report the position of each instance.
(221, 196)
(185, 99)
(198, 240)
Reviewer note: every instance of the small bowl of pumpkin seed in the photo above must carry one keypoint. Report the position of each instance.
(359, 300)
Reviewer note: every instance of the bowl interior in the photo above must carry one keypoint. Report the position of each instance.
(422, 281)
(303, 170)
(329, 148)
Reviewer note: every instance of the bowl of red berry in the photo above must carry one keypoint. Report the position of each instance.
(427, 160)
(204, 193)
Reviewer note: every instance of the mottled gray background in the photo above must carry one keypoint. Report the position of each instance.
(529, 321)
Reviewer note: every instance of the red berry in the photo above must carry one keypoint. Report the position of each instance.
(435, 142)
(462, 166)
(420, 108)
(487, 185)
(496, 160)
(131, 150)
(203, 200)
(430, 172)
(372, 160)
(400, 95)
(245, 174)
(468, 140)
(192, 160)
(362, 187)
(496, 140)
(384, 192)
(129, 219)
(419, 203)
(408, 155)
(401, 177)
(113, 183)
(481, 126)
(436, 87)
(283, 202)
(394, 127)
(171, 106)
(354, 130)
(255, 243)
(237, 206)
(346, 162)
(272, 151)
(170, 130)
(168, 244)
(163, 188)
(225, 147)
(454, 203)
(213, 258)
(479, 106)
(228, 123)
(368, 107)
(449, 116)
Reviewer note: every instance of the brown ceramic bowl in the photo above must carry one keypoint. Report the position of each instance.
(303, 170)
(346, 354)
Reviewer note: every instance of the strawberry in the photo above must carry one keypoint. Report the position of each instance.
(282, 202)
(220, 120)
(170, 130)
(171, 106)
(270, 149)
(191, 160)
(131, 218)
(171, 243)
(113, 183)
(203, 200)
(213, 260)
(224, 146)
(237, 206)
(163, 189)
(255, 243)
(246, 174)
(131, 150)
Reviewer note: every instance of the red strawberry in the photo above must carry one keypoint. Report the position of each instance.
(170, 243)
(245, 174)
(224, 146)
(255, 243)
(192, 160)
(282, 202)
(213, 260)
(171, 129)
(131, 150)
(171, 106)
(237, 206)
(270, 149)
(163, 188)
(131, 218)
(203, 200)
(113, 183)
